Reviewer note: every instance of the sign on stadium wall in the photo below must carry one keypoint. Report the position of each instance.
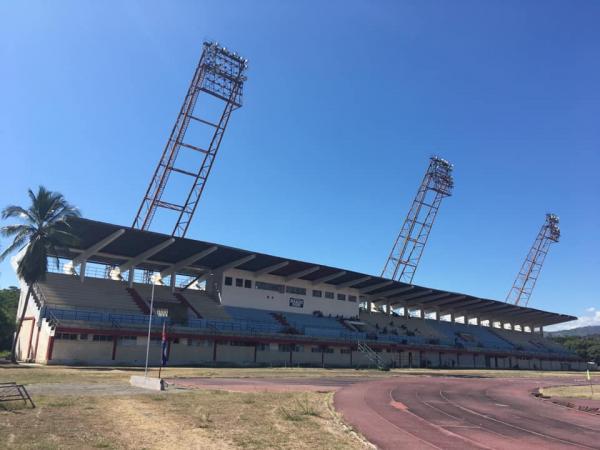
(296, 302)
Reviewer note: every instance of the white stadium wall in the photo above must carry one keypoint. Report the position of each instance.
(271, 300)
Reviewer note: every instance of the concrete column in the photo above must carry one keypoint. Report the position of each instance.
(82, 271)
(131, 277)
(405, 311)
(389, 308)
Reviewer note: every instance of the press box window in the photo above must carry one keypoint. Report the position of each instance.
(269, 286)
(328, 294)
(239, 282)
(66, 336)
(248, 284)
(341, 296)
(317, 293)
(228, 281)
(352, 298)
(295, 290)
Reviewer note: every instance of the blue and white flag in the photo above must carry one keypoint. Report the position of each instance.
(164, 346)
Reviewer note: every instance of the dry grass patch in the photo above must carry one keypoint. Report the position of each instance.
(583, 391)
(31, 374)
(195, 420)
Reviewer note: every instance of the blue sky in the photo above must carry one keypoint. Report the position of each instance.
(345, 102)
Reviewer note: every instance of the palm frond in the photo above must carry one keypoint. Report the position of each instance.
(34, 264)
(12, 230)
(16, 211)
(17, 245)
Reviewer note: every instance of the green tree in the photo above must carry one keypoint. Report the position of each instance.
(9, 298)
(43, 228)
(587, 347)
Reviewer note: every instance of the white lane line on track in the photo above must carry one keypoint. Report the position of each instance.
(401, 429)
(439, 427)
(545, 436)
(584, 427)
(461, 419)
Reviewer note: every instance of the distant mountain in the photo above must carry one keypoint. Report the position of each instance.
(581, 331)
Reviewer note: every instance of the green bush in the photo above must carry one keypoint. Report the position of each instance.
(587, 347)
(9, 298)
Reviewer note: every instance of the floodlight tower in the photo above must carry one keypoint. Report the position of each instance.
(221, 75)
(437, 184)
(530, 270)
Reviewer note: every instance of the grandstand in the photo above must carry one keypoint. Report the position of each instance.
(228, 306)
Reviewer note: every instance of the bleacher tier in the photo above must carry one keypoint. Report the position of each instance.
(108, 304)
(94, 294)
(206, 306)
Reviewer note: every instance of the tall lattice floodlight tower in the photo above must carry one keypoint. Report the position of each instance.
(404, 258)
(220, 74)
(522, 288)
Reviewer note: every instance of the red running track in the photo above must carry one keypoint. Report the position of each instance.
(461, 413)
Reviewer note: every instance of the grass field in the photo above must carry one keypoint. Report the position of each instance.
(202, 419)
(197, 419)
(28, 374)
(573, 391)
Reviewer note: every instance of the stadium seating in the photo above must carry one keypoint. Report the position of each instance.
(251, 315)
(161, 293)
(530, 341)
(401, 326)
(473, 336)
(95, 293)
(107, 304)
(206, 306)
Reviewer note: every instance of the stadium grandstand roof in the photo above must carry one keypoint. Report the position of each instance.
(127, 247)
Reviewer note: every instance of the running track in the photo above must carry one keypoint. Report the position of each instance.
(464, 413)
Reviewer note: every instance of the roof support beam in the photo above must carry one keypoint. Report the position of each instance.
(302, 273)
(448, 308)
(490, 308)
(229, 265)
(374, 287)
(453, 299)
(187, 261)
(417, 295)
(91, 251)
(396, 291)
(327, 278)
(429, 298)
(353, 282)
(271, 268)
(384, 297)
(144, 256)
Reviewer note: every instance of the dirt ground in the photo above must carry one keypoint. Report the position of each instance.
(96, 408)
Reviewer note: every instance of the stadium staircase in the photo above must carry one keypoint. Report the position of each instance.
(187, 304)
(287, 327)
(345, 325)
(138, 300)
(205, 305)
(372, 356)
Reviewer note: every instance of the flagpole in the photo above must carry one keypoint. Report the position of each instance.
(162, 348)
(149, 327)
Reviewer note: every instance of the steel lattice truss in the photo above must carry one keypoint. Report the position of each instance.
(220, 74)
(530, 270)
(403, 260)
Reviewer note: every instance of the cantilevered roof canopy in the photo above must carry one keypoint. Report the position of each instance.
(123, 246)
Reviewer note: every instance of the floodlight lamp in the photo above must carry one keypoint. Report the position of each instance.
(155, 278)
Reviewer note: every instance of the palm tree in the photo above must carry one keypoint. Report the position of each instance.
(44, 227)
